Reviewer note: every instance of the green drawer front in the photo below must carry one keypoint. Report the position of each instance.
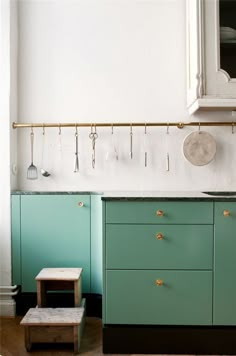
(146, 212)
(225, 264)
(132, 297)
(137, 246)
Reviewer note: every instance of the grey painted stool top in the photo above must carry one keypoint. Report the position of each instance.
(53, 316)
(65, 274)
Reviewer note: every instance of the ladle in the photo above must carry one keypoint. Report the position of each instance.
(43, 171)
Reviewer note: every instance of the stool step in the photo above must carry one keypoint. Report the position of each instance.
(61, 274)
(54, 325)
(50, 279)
(53, 316)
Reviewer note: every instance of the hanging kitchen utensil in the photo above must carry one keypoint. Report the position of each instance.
(32, 172)
(145, 144)
(131, 142)
(76, 169)
(167, 149)
(60, 140)
(93, 136)
(112, 153)
(43, 171)
(199, 148)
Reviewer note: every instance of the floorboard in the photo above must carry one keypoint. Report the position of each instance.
(12, 341)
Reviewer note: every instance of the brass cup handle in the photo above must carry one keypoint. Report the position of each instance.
(159, 282)
(159, 236)
(226, 213)
(80, 204)
(160, 213)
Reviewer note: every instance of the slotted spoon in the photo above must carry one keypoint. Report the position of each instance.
(32, 172)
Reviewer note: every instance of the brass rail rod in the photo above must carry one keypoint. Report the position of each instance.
(180, 125)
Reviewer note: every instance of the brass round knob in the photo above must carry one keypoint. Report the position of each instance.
(159, 236)
(159, 282)
(160, 213)
(226, 213)
(81, 204)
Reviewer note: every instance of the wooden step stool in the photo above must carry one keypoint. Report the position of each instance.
(54, 325)
(58, 279)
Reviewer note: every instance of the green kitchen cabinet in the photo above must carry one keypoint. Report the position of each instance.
(224, 311)
(55, 232)
(157, 262)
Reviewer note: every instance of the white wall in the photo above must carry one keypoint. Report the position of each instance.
(107, 61)
(7, 306)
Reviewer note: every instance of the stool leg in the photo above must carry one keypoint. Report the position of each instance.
(76, 339)
(77, 293)
(28, 344)
(41, 294)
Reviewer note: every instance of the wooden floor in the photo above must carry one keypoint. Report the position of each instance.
(12, 340)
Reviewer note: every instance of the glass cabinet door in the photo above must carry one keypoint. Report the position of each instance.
(227, 18)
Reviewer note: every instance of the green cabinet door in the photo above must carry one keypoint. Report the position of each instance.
(55, 232)
(16, 239)
(134, 297)
(225, 264)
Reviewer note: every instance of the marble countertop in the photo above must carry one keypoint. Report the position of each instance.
(141, 195)
(168, 195)
(32, 192)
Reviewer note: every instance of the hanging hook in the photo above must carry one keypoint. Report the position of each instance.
(233, 127)
(167, 128)
(59, 128)
(43, 129)
(76, 130)
(145, 129)
(112, 129)
(199, 127)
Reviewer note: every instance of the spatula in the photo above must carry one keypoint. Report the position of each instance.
(32, 172)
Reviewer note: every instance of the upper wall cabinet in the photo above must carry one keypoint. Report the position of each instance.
(211, 55)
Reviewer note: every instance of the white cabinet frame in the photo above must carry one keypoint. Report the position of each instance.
(208, 86)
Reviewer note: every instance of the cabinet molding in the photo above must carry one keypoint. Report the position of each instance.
(209, 87)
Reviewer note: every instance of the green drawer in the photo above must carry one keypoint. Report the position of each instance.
(142, 212)
(132, 297)
(138, 246)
